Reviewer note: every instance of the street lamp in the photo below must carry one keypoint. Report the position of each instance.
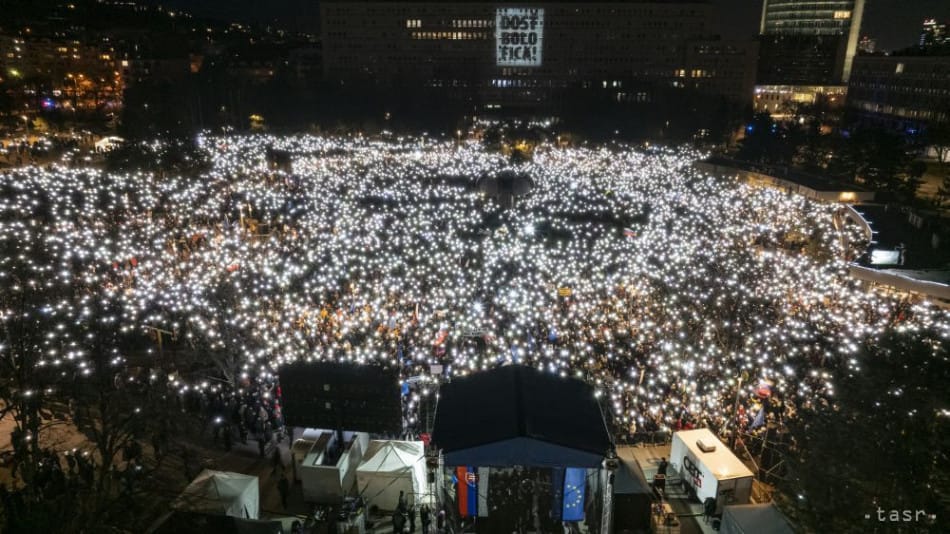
(26, 124)
(735, 409)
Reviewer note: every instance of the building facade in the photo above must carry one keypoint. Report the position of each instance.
(511, 54)
(44, 73)
(934, 34)
(809, 42)
(807, 49)
(903, 92)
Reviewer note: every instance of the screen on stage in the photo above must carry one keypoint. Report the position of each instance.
(519, 36)
(341, 396)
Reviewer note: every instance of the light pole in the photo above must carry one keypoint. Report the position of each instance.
(735, 411)
(26, 125)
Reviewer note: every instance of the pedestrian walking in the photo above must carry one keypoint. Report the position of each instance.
(424, 518)
(242, 431)
(663, 465)
(399, 522)
(401, 503)
(278, 462)
(411, 513)
(709, 509)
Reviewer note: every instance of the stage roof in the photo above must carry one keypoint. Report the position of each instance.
(517, 415)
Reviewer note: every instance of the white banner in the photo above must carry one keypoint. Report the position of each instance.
(483, 474)
(519, 36)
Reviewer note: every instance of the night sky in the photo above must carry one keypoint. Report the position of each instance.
(895, 23)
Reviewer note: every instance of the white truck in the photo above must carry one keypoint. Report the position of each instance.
(709, 469)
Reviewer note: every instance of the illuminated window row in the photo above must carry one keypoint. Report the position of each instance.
(527, 83)
(472, 23)
(452, 36)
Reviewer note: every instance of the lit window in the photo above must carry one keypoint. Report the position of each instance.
(899, 69)
(841, 15)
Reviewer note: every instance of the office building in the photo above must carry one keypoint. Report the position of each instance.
(934, 34)
(809, 41)
(903, 92)
(534, 55)
(807, 51)
(45, 73)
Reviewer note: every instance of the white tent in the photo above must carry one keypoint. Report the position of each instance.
(389, 467)
(109, 143)
(220, 492)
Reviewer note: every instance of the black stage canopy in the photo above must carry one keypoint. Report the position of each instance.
(517, 415)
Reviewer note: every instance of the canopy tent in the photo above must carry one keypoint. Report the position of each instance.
(220, 492)
(754, 519)
(108, 143)
(517, 415)
(389, 467)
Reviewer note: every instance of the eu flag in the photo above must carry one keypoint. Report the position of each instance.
(575, 482)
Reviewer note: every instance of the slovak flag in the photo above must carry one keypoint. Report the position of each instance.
(472, 491)
(629, 233)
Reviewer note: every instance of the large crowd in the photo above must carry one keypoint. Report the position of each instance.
(629, 268)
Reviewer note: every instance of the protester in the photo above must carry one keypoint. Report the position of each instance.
(626, 267)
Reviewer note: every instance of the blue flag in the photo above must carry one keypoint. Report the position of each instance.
(759, 419)
(575, 482)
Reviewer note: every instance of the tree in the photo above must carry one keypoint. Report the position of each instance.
(877, 156)
(881, 442)
(937, 136)
(759, 141)
(943, 192)
(64, 375)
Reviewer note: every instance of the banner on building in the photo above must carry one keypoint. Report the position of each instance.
(519, 36)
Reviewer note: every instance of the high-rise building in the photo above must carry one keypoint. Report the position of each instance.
(806, 51)
(934, 34)
(809, 42)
